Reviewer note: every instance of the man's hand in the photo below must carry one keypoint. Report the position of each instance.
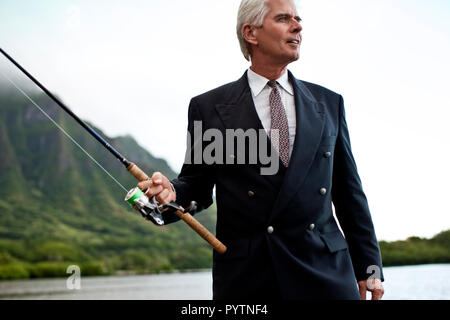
(373, 285)
(158, 186)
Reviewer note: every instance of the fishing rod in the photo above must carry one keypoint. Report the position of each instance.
(135, 197)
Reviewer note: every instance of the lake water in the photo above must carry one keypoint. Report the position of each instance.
(423, 282)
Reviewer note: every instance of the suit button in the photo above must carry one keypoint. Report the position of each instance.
(269, 229)
(311, 226)
(327, 154)
(323, 191)
(251, 193)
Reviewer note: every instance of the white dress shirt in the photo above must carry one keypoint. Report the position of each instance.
(260, 94)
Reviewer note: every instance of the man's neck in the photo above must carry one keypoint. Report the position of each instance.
(269, 72)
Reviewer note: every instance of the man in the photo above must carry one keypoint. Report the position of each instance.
(283, 241)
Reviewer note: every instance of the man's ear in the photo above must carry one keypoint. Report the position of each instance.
(249, 33)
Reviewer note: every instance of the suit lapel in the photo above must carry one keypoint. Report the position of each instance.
(240, 111)
(309, 127)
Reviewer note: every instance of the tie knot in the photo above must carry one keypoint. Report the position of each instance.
(272, 83)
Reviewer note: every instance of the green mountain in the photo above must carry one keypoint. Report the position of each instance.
(59, 208)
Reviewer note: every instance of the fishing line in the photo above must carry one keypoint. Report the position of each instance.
(63, 131)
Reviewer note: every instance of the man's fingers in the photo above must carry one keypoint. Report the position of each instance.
(153, 190)
(161, 197)
(157, 178)
(377, 294)
(159, 187)
(376, 287)
(170, 197)
(166, 200)
(166, 196)
(362, 289)
(144, 185)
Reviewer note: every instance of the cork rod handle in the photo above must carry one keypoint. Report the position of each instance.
(202, 231)
(137, 172)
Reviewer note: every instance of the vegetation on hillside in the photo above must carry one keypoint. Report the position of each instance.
(415, 250)
(58, 208)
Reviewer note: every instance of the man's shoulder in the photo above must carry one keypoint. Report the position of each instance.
(222, 90)
(329, 99)
(319, 89)
(221, 94)
(319, 92)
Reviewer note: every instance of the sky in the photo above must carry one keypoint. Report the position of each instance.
(131, 67)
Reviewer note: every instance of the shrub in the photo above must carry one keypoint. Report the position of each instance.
(93, 268)
(13, 271)
(48, 270)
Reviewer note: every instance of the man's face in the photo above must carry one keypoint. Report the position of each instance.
(279, 38)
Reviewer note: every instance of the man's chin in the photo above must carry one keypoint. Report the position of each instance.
(288, 58)
(294, 57)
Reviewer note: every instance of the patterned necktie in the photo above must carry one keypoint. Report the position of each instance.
(279, 122)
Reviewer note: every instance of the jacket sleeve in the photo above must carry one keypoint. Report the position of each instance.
(351, 206)
(196, 179)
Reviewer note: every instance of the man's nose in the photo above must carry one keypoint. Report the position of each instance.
(296, 26)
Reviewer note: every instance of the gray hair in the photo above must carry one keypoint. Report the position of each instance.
(253, 12)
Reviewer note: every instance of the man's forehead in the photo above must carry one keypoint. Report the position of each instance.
(277, 7)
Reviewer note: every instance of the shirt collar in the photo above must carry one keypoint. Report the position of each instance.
(257, 82)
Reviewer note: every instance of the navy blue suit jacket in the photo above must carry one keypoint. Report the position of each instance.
(305, 256)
